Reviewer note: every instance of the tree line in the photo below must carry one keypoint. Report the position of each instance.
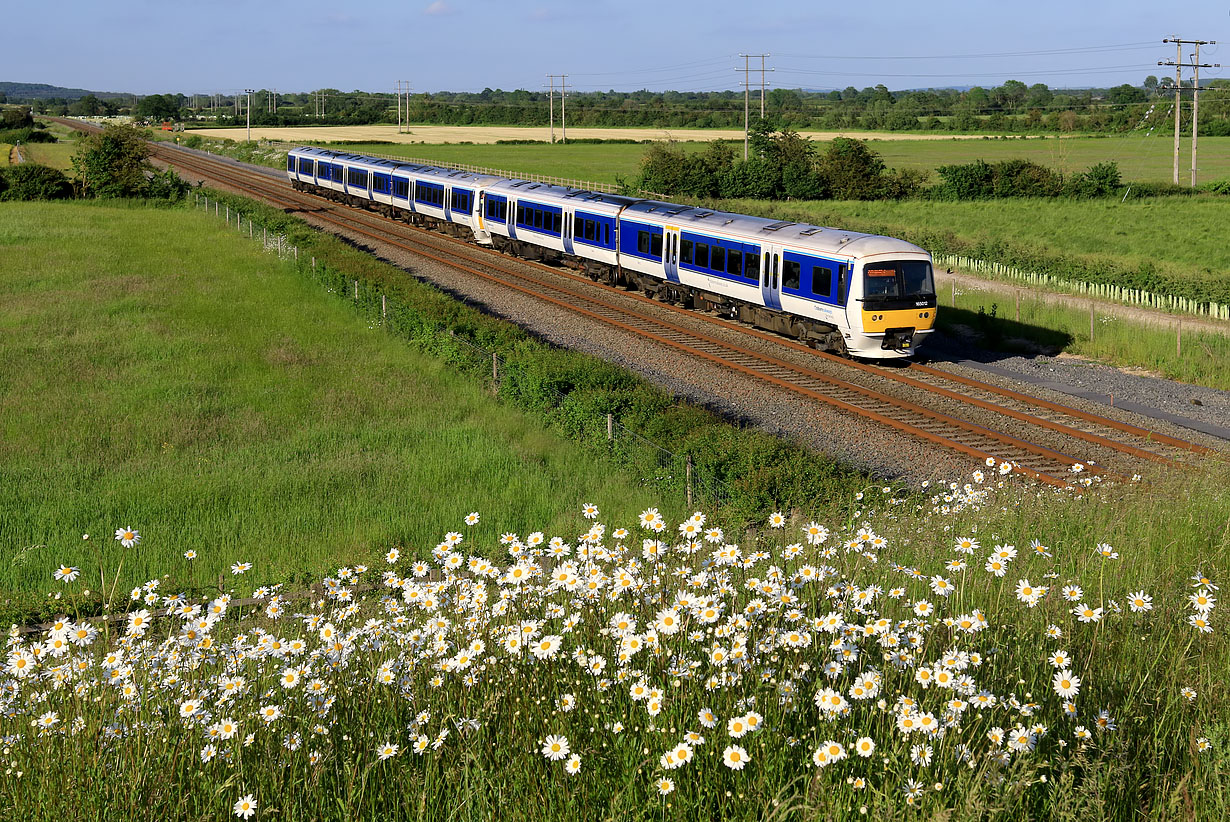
(1013, 107)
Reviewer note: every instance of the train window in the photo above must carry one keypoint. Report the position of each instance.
(606, 232)
(589, 227)
(734, 263)
(290, 163)
(401, 189)
(655, 245)
(702, 255)
(520, 214)
(841, 283)
(537, 218)
(792, 273)
(717, 258)
(751, 268)
(821, 281)
(642, 242)
(686, 248)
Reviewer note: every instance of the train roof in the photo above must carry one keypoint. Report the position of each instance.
(784, 232)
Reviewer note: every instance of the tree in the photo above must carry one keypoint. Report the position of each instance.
(851, 171)
(16, 118)
(87, 106)
(1126, 94)
(112, 163)
(158, 107)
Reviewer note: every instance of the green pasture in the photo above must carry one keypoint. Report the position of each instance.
(1139, 158)
(592, 162)
(57, 155)
(161, 373)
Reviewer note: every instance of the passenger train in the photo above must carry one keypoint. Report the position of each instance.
(863, 295)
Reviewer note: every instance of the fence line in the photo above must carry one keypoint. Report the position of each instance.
(1105, 291)
(673, 472)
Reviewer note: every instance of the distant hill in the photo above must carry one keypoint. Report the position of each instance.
(42, 91)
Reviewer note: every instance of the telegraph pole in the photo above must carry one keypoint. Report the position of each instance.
(248, 109)
(551, 105)
(563, 86)
(747, 86)
(1179, 65)
(399, 106)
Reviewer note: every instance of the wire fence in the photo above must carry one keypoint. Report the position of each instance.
(511, 379)
(1104, 291)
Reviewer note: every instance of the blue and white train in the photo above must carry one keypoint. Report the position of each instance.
(861, 294)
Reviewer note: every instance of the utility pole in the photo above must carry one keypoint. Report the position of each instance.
(762, 84)
(563, 85)
(551, 106)
(1179, 65)
(248, 109)
(747, 86)
(399, 106)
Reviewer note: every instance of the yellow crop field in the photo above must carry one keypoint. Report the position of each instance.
(493, 134)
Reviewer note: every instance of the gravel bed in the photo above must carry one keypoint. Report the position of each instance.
(1190, 412)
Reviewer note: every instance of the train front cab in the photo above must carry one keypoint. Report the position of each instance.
(892, 307)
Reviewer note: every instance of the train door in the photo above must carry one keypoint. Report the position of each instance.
(670, 254)
(771, 277)
(566, 230)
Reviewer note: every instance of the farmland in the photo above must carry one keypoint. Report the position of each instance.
(1140, 158)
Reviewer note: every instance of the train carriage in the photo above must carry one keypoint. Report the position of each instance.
(866, 295)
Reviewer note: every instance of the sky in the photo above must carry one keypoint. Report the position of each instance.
(224, 46)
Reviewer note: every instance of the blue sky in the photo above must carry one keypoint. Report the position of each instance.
(226, 45)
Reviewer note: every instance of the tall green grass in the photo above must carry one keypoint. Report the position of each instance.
(156, 369)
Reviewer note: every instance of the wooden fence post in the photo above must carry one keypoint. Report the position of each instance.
(1178, 339)
(495, 372)
(689, 480)
(610, 427)
(1090, 322)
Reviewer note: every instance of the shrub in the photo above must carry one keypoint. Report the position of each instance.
(31, 181)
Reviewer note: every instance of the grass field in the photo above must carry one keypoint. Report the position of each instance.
(57, 155)
(155, 369)
(1139, 159)
(158, 372)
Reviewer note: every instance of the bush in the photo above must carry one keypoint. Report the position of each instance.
(31, 181)
(980, 180)
(1100, 180)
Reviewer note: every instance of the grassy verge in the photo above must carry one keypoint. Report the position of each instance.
(56, 155)
(1196, 357)
(158, 369)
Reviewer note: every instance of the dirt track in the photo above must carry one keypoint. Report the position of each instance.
(491, 134)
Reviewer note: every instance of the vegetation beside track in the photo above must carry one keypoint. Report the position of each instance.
(220, 400)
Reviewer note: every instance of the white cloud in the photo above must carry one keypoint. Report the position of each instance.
(438, 8)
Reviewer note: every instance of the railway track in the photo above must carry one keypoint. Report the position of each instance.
(1008, 421)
